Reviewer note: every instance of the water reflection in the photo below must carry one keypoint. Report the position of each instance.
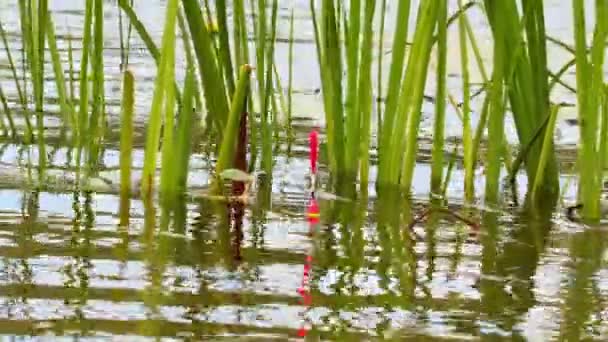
(209, 268)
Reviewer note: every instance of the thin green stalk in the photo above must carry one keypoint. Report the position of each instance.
(496, 108)
(268, 92)
(186, 40)
(290, 72)
(466, 108)
(394, 85)
(126, 133)
(7, 113)
(603, 149)
(440, 100)
(185, 121)
(545, 154)
(211, 79)
(64, 102)
(352, 113)
(145, 37)
(39, 32)
(589, 80)
(12, 66)
(71, 83)
(329, 59)
(84, 77)
(168, 166)
(97, 119)
(26, 52)
(238, 105)
(121, 39)
(225, 56)
(380, 63)
(164, 80)
(410, 103)
(365, 92)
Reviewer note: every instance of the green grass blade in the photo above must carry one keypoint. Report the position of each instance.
(7, 113)
(97, 119)
(440, 104)
(546, 152)
(84, 75)
(12, 66)
(365, 92)
(64, 101)
(238, 105)
(211, 79)
(185, 123)
(126, 133)
(164, 80)
(466, 107)
(225, 55)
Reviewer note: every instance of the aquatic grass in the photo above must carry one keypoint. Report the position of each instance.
(12, 66)
(466, 107)
(345, 53)
(603, 148)
(209, 72)
(525, 74)
(71, 82)
(379, 82)
(546, 152)
(187, 41)
(329, 59)
(224, 45)
(590, 85)
(185, 123)
(394, 85)
(168, 171)
(267, 89)
(404, 147)
(7, 112)
(97, 120)
(238, 105)
(440, 104)
(65, 104)
(163, 81)
(352, 119)
(365, 92)
(290, 74)
(126, 140)
(39, 11)
(134, 22)
(496, 94)
(83, 107)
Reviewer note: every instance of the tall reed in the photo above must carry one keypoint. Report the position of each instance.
(440, 104)
(160, 100)
(590, 92)
(126, 141)
(467, 138)
(525, 73)
(404, 147)
(96, 127)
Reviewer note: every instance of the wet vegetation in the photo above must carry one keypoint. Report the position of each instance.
(202, 177)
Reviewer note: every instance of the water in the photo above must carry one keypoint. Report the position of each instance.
(67, 268)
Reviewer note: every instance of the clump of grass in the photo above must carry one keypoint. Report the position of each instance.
(163, 82)
(590, 93)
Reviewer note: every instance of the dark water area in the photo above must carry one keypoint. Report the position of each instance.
(372, 268)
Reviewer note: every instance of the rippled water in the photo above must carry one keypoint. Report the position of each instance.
(68, 269)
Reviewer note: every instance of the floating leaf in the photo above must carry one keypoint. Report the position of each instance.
(236, 175)
(327, 196)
